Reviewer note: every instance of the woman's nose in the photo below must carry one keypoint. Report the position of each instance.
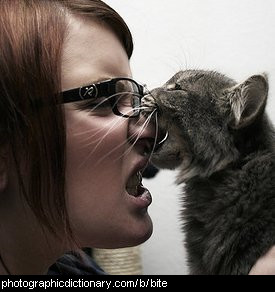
(142, 133)
(144, 127)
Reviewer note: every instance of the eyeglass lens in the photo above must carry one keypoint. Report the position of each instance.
(128, 97)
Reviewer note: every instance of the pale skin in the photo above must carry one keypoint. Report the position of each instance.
(101, 212)
(100, 160)
(265, 264)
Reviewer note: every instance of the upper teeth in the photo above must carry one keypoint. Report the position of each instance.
(133, 183)
(134, 180)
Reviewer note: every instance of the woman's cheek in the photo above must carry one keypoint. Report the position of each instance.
(95, 162)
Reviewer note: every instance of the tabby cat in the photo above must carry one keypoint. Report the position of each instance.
(222, 142)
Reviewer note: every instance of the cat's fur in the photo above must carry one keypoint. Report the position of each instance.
(222, 142)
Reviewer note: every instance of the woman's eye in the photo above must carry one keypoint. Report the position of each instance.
(95, 104)
(98, 103)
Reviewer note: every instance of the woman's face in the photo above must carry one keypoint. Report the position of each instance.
(100, 160)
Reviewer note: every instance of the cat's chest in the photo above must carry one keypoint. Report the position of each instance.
(233, 198)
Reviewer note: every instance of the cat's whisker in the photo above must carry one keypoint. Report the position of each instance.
(129, 139)
(120, 145)
(156, 135)
(137, 136)
(96, 133)
(142, 107)
(87, 139)
(92, 131)
(90, 111)
(110, 152)
(103, 129)
(143, 128)
(100, 140)
(100, 130)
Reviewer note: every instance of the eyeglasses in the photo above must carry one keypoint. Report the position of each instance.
(123, 94)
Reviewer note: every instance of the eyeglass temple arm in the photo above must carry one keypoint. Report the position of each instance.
(86, 92)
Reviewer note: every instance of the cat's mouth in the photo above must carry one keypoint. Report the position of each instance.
(163, 137)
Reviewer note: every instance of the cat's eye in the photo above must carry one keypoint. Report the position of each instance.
(177, 86)
(174, 86)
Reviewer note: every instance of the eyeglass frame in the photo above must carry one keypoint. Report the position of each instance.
(106, 89)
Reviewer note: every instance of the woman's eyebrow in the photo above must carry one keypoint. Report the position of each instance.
(97, 80)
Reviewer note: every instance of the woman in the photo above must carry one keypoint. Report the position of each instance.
(71, 156)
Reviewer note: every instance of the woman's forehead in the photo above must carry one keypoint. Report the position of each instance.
(91, 52)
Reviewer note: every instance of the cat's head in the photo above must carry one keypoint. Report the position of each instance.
(201, 110)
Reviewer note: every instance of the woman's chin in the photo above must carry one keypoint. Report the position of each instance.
(136, 236)
(143, 232)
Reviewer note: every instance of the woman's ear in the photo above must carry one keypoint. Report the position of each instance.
(248, 100)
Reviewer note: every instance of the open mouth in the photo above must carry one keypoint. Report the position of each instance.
(134, 184)
(135, 188)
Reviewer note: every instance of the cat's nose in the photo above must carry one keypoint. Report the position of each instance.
(148, 104)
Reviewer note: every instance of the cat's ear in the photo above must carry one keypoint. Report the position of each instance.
(247, 100)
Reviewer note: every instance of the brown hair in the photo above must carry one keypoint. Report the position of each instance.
(31, 124)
